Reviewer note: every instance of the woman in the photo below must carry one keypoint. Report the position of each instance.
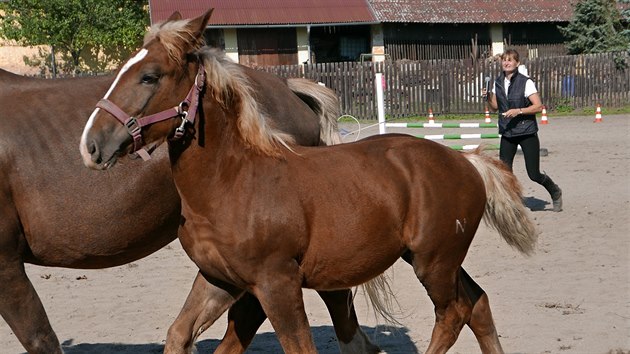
(516, 98)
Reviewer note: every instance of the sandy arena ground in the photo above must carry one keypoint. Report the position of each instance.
(572, 296)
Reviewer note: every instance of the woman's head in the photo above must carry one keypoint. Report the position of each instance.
(510, 60)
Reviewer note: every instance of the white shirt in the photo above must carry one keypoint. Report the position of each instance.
(530, 87)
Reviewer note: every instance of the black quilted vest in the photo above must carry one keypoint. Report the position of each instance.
(523, 124)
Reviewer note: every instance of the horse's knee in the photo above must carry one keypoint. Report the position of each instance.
(480, 318)
(482, 325)
(45, 345)
(23, 311)
(481, 322)
(204, 304)
(36, 339)
(179, 340)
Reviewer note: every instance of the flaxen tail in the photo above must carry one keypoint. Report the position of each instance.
(324, 102)
(505, 210)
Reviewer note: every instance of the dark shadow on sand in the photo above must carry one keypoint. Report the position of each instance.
(535, 204)
(393, 340)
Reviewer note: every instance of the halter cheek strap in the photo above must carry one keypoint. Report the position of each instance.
(187, 110)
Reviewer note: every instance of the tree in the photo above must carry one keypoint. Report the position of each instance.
(625, 15)
(596, 27)
(89, 35)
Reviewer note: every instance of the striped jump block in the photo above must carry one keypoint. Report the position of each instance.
(458, 136)
(441, 125)
(473, 147)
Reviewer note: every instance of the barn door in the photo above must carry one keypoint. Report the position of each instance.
(267, 46)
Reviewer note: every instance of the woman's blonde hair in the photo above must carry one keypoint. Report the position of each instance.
(512, 53)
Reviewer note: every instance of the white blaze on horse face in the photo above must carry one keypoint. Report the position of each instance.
(83, 145)
(141, 54)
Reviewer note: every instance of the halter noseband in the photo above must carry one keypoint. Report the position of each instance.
(187, 110)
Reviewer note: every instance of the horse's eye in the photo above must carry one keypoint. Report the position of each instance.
(150, 79)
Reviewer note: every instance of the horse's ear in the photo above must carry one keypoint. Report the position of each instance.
(176, 16)
(198, 25)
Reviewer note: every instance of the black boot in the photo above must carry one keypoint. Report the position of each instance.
(554, 191)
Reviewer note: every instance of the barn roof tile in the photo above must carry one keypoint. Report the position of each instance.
(267, 12)
(472, 11)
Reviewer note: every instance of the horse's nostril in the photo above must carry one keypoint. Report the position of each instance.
(95, 153)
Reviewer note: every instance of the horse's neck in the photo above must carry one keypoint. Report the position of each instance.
(208, 171)
(213, 145)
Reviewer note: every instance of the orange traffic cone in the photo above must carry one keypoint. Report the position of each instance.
(598, 114)
(543, 119)
(488, 116)
(431, 121)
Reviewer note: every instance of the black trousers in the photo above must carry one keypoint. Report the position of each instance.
(531, 151)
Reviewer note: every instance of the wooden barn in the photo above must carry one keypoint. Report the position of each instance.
(289, 32)
(454, 29)
(280, 32)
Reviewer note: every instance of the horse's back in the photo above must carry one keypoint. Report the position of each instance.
(9, 77)
(400, 153)
(9, 82)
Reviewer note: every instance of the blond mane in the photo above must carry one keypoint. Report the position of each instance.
(230, 87)
(226, 83)
(176, 38)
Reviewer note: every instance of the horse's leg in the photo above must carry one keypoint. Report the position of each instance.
(351, 338)
(439, 278)
(458, 300)
(204, 304)
(244, 319)
(480, 322)
(22, 309)
(247, 315)
(280, 294)
(439, 343)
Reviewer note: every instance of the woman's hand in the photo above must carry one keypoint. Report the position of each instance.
(490, 97)
(511, 113)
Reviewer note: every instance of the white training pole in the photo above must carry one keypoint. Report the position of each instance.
(378, 81)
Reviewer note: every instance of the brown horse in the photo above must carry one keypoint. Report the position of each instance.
(265, 216)
(40, 223)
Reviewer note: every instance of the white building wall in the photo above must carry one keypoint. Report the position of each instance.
(496, 36)
(378, 43)
(302, 44)
(231, 44)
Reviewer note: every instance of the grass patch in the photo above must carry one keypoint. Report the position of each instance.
(590, 111)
